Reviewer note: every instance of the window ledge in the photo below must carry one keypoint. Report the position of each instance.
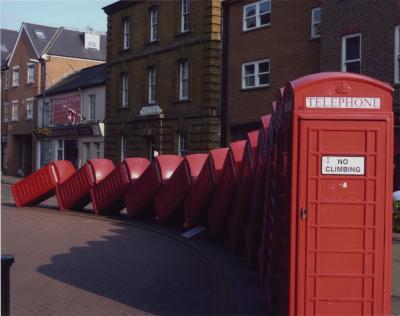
(29, 119)
(256, 28)
(182, 101)
(184, 33)
(123, 108)
(152, 43)
(15, 86)
(256, 88)
(315, 38)
(125, 50)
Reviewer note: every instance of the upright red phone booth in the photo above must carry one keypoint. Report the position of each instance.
(340, 160)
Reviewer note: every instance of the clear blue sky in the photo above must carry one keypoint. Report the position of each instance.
(72, 13)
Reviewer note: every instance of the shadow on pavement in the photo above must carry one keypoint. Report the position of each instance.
(141, 269)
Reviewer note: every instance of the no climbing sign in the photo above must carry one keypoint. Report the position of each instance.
(339, 165)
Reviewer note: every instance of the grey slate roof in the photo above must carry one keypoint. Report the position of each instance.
(8, 38)
(72, 44)
(38, 43)
(84, 78)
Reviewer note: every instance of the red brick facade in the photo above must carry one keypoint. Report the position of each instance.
(285, 42)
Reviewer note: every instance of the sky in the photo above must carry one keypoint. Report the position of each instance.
(73, 13)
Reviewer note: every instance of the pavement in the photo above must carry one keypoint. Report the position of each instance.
(75, 263)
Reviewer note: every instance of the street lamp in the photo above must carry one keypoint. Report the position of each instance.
(42, 61)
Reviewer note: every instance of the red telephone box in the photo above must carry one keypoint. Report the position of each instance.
(340, 164)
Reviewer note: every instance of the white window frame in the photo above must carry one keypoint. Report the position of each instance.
(344, 61)
(257, 15)
(126, 33)
(14, 111)
(152, 85)
(47, 113)
(314, 23)
(30, 73)
(29, 110)
(184, 80)
(185, 16)
(182, 143)
(125, 89)
(6, 81)
(256, 64)
(153, 24)
(60, 149)
(5, 112)
(15, 79)
(397, 54)
(92, 107)
(123, 149)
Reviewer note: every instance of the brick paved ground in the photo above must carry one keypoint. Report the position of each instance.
(77, 264)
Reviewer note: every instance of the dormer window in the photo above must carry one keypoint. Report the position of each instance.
(92, 41)
(40, 35)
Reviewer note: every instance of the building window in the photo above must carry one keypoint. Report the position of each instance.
(5, 112)
(123, 147)
(92, 107)
(60, 150)
(6, 82)
(46, 154)
(126, 25)
(47, 114)
(152, 85)
(29, 109)
(315, 22)
(153, 24)
(31, 73)
(397, 54)
(351, 53)
(14, 111)
(182, 143)
(124, 78)
(185, 16)
(256, 14)
(15, 76)
(184, 80)
(255, 74)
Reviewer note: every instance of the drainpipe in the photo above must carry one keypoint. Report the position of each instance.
(224, 83)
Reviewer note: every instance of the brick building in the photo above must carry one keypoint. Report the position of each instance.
(266, 44)
(8, 38)
(41, 56)
(163, 77)
(363, 36)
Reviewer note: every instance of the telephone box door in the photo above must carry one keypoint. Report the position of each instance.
(341, 217)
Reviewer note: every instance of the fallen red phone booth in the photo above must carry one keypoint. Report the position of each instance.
(139, 197)
(337, 259)
(254, 223)
(108, 195)
(41, 185)
(175, 189)
(74, 194)
(203, 180)
(243, 156)
(225, 181)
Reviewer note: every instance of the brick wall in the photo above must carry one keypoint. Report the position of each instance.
(199, 115)
(375, 20)
(286, 42)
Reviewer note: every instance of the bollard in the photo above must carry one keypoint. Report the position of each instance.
(6, 263)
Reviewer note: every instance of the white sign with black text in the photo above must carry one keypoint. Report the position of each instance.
(340, 165)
